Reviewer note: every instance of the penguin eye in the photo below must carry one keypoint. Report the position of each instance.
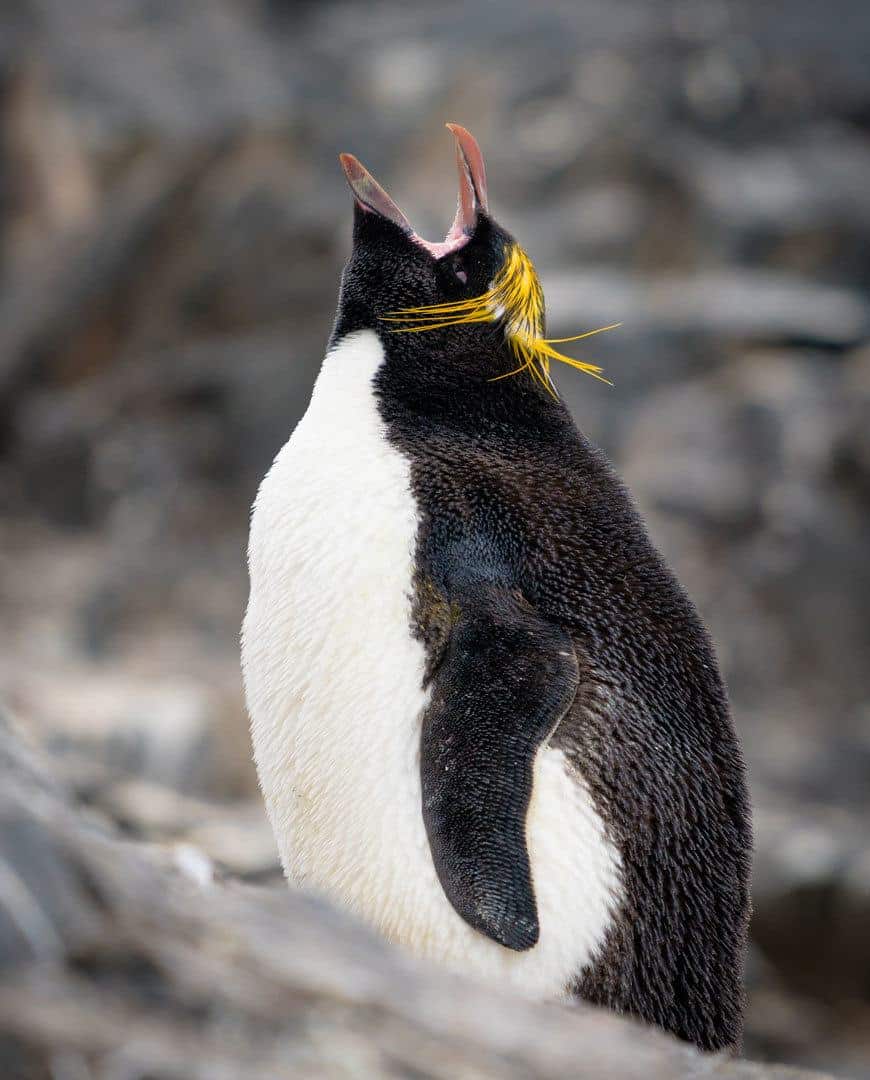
(458, 269)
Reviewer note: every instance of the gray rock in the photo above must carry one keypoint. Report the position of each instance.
(113, 962)
(757, 305)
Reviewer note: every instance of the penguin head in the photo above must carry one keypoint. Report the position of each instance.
(470, 304)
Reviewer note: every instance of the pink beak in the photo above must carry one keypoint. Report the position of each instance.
(371, 197)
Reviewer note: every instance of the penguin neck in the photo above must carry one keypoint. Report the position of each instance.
(451, 379)
(460, 392)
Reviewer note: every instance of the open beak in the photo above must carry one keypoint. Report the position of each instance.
(372, 198)
(472, 181)
(369, 194)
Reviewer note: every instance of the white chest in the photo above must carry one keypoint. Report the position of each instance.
(333, 678)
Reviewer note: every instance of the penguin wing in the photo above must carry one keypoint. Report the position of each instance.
(506, 679)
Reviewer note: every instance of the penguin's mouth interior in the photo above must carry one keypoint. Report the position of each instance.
(372, 198)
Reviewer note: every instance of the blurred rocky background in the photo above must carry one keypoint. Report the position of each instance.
(173, 223)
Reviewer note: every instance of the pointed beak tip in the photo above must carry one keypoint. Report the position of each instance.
(351, 165)
(369, 194)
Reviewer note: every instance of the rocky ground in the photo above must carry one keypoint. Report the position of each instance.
(172, 227)
(132, 960)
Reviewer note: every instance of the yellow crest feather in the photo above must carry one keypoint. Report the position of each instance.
(516, 298)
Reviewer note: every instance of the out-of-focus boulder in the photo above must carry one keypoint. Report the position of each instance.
(121, 960)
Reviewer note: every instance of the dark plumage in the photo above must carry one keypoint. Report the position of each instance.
(547, 613)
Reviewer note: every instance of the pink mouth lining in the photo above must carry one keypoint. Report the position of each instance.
(454, 241)
(372, 198)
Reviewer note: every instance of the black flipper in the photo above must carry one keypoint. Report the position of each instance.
(506, 679)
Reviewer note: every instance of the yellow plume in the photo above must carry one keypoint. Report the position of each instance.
(516, 298)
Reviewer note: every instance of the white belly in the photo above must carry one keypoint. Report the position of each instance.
(333, 678)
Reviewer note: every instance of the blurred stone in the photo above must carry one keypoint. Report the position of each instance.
(139, 964)
(241, 841)
(404, 74)
(713, 85)
(235, 835)
(176, 733)
(47, 184)
(152, 810)
(194, 864)
(812, 872)
(734, 305)
(812, 180)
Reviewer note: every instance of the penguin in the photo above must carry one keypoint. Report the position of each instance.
(487, 720)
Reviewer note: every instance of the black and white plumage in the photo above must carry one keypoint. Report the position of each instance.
(486, 717)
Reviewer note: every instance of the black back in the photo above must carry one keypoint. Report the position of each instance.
(511, 494)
